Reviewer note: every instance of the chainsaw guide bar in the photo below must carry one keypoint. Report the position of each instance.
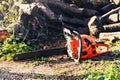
(39, 53)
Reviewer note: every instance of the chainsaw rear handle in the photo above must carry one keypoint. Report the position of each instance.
(104, 48)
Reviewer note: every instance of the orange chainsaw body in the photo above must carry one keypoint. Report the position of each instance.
(83, 46)
(89, 47)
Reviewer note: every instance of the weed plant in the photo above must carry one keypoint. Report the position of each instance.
(12, 46)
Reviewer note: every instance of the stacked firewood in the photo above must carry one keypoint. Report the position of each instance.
(94, 17)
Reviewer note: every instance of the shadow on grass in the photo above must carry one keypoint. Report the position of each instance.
(107, 56)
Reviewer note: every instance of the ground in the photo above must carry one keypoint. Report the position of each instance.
(57, 67)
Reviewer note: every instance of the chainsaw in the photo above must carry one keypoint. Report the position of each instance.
(77, 47)
(82, 46)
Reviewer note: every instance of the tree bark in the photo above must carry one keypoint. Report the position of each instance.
(71, 10)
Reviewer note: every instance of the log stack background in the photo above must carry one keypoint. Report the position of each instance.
(91, 17)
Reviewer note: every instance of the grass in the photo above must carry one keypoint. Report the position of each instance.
(62, 71)
(113, 46)
(38, 61)
(12, 46)
(100, 70)
(42, 59)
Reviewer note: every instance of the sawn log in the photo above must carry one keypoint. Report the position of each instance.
(111, 36)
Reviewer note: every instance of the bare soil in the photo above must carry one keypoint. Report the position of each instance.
(57, 67)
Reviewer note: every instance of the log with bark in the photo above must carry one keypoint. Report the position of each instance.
(47, 6)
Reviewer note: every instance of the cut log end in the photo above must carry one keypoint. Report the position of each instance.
(4, 35)
(110, 36)
(93, 28)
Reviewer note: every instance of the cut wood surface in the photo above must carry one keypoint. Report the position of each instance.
(111, 36)
(112, 27)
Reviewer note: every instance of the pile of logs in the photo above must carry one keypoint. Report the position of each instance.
(95, 17)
